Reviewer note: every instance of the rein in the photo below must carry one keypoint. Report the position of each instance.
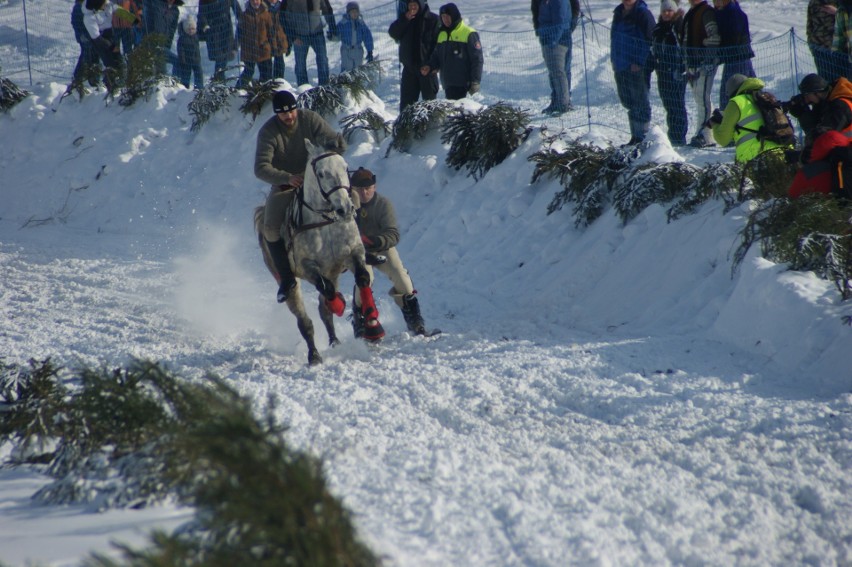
(297, 226)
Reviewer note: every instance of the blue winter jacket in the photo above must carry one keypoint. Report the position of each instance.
(630, 37)
(734, 33)
(554, 19)
(362, 32)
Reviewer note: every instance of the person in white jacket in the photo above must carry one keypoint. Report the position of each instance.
(97, 18)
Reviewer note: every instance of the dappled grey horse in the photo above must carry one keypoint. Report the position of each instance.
(323, 241)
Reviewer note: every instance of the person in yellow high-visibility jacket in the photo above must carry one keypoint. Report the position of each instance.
(741, 120)
(457, 55)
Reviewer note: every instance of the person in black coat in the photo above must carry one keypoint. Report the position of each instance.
(416, 32)
(668, 63)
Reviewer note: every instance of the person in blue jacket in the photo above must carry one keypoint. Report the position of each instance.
(735, 48)
(630, 46)
(355, 37)
(552, 20)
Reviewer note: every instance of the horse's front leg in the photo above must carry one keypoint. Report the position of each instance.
(306, 326)
(325, 311)
(373, 329)
(328, 291)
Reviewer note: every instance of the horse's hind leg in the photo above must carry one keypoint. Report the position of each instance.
(328, 320)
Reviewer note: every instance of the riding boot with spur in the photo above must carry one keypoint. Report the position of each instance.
(286, 279)
(411, 314)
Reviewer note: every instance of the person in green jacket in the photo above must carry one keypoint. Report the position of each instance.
(741, 119)
(280, 160)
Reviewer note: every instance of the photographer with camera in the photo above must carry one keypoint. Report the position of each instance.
(822, 107)
(742, 122)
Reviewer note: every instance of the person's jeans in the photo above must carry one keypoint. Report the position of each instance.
(632, 87)
(729, 70)
(554, 60)
(317, 43)
(672, 87)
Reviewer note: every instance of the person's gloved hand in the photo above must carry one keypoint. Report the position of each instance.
(366, 240)
(715, 118)
(369, 57)
(474, 88)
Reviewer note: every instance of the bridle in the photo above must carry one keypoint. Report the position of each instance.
(329, 215)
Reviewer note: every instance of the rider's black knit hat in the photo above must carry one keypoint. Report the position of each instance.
(283, 101)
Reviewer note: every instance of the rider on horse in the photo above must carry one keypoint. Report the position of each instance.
(280, 159)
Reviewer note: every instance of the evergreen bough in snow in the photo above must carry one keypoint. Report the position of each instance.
(714, 181)
(770, 176)
(417, 120)
(324, 99)
(649, 184)
(257, 95)
(133, 437)
(813, 232)
(368, 120)
(143, 75)
(207, 102)
(480, 140)
(10, 94)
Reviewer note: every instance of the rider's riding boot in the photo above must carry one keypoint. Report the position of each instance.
(286, 279)
(411, 314)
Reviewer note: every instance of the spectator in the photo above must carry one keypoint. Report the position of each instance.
(376, 220)
(553, 21)
(280, 45)
(280, 159)
(735, 43)
(841, 42)
(87, 63)
(820, 32)
(162, 19)
(817, 176)
(188, 64)
(124, 30)
(630, 47)
(668, 63)
(822, 107)
(355, 37)
(97, 20)
(217, 31)
(742, 119)
(416, 32)
(458, 55)
(700, 41)
(255, 33)
(303, 22)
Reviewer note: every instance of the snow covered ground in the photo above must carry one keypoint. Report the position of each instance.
(600, 396)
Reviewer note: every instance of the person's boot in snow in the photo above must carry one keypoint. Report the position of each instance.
(411, 314)
(286, 279)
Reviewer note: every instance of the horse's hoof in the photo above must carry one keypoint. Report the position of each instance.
(337, 305)
(373, 330)
(314, 359)
(333, 342)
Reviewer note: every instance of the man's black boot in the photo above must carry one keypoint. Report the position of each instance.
(286, 279)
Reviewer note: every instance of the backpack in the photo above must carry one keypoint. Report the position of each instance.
(776, 124)
(841, 172)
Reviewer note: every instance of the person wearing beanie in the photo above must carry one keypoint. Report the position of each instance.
(280, 159)
(741, 120)
(667, 62)
(188, 63)
(735, 43)
(457, 56)
(377, 224)
(700, 39)
(416, 32)
(355, 37)
(822, 107)
(630, 41)
(256, 33)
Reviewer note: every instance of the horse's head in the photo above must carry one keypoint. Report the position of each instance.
(327, 179)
